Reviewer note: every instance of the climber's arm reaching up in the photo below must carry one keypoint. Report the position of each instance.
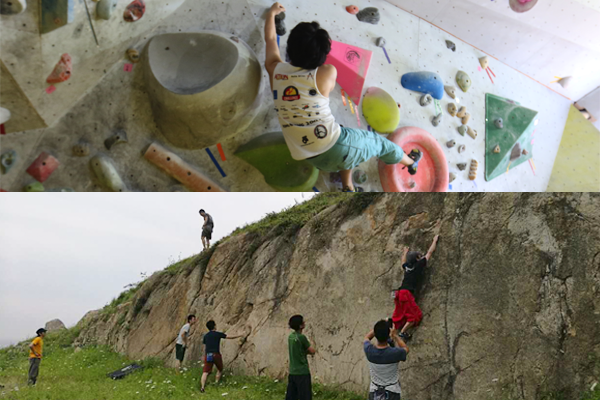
(432, 248)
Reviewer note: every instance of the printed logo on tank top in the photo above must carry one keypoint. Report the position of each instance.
(281, 77)
(321, 132)
(312, 92)
(290, 94)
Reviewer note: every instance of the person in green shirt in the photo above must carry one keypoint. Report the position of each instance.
(299, 384)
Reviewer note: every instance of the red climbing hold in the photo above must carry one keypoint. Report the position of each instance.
(352, 10)
(62, 71)
(43, 166)
(134, 11)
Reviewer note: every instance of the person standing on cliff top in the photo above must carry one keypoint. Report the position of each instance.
(207, 229)
(383, 361)
(299, 383)
(182, 340)
(407, 313)
(35, 356)
(212, 352)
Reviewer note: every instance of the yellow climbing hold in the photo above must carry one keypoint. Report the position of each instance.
(381, 110)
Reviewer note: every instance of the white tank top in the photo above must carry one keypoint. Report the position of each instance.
(308, 126)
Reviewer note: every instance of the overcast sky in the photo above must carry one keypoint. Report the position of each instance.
(63, 255)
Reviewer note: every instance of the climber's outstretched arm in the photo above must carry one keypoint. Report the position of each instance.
(432, 248)
(404, 253)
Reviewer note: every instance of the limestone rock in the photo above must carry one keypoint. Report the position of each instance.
(513, 274)
(369, 15)
(54, 325)
(426, 100)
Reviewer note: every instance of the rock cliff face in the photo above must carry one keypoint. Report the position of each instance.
(511, 298)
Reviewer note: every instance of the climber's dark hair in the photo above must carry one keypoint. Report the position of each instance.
(211, 325)
(296, 322)
(413, 256)
(201, 211)
(308, 45)
(382, 331)
(190, 317)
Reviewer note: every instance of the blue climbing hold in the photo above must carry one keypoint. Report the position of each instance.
(424, 82)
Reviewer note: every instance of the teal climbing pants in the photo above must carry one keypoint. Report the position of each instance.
(355, 146)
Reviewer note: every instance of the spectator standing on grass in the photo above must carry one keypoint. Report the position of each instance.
(299, 381)
(212, 352)
(384, 361)
(35, 356)
(182, 340)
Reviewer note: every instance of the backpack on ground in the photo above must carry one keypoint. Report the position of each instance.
(119, 374)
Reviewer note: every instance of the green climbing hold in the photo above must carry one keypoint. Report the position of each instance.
(463, 80)
(34, 187)
(519, 124)
(270, 155)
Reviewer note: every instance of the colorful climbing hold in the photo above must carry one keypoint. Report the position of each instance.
(280, 24)
(484, 62)
(452, 109)
(7, 160)
(466, 118)
(450, 143)
(34, 187)
(118, 137)
(134, 11)
(451, 90)
(462, 112)
(471, 132)
(380, 110)
(463, 80)
(462, 129)
(81, 149)
(62, 70)
(473, 170)
(352, 10)
(107, 174)
(104, 8)
(43, 166)
(369, 15)
(424, 82)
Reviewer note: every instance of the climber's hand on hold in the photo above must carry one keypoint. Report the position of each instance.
(277, 9)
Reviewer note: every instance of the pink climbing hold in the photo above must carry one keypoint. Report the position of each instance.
(62, 70)
(432, 174)
(43, 166)
(524, 1)
(134, 11)
(352, 64)
(352, 10)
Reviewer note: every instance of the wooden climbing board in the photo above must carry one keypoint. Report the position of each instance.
(518, 126)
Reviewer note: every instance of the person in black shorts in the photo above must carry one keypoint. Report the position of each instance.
(207, 229)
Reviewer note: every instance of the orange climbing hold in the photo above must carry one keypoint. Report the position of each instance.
(62, 70)
(352, 10)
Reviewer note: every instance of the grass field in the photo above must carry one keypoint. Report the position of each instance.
(69, 375)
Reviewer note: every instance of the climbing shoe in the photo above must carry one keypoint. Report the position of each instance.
(415, 155)
(347, 189)
(405, 336)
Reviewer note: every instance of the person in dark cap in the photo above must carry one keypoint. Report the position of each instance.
(35, 356)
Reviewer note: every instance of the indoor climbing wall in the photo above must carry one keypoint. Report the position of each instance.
(112, 123)
(579, 151)
(556, 38)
